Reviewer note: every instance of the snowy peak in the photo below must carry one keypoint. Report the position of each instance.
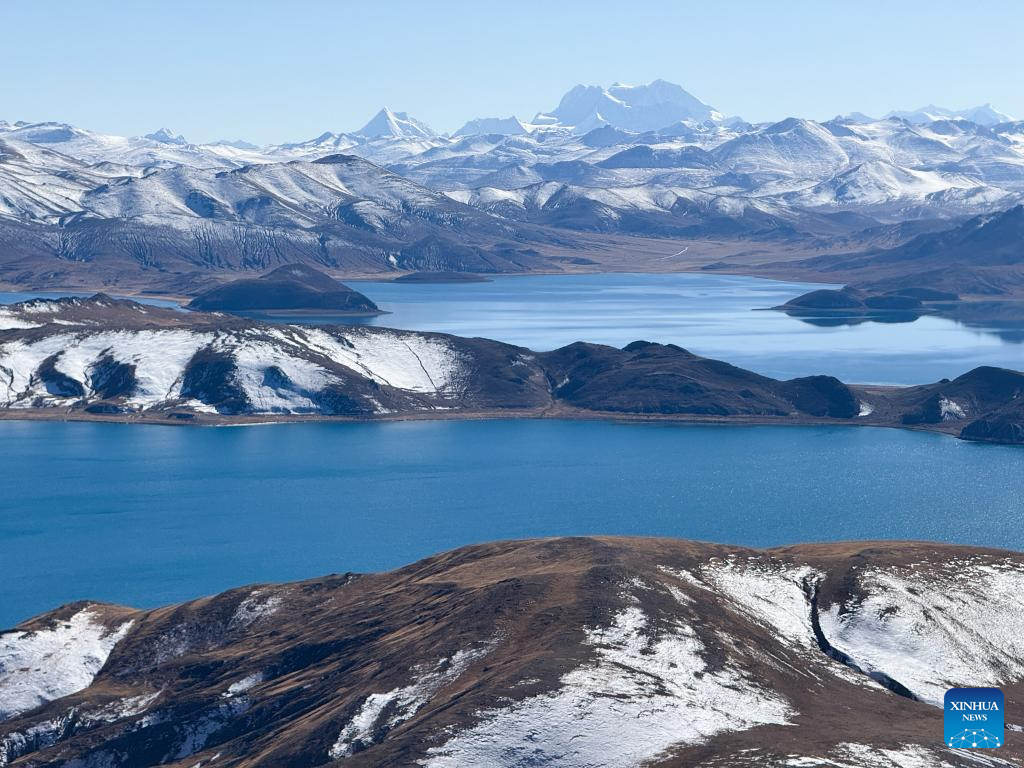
(167, 136)
(324, 143)
(855, 118)
(235, 144)
(632, 107)
(395, 125)
(986, 115)
(503, 126)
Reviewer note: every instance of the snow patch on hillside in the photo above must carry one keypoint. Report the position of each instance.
(10, 321)
(934, 633)
(119, 709)
(253, 358)
(258, 605)
(950, 410)
(381, 712)
(47, 664)
(41, 735)
(643, 693)
(769, 595)
(241, 686)
(398, 359)
(867, 756)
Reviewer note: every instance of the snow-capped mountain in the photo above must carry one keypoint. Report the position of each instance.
(37, 183)
(326, 143)
(504, 126)
(167, 136)
(633, 107)
(78, 221)
(878, 183)
(395, 125)
(986, 115)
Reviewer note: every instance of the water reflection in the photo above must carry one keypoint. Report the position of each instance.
(1004, 319)
(709, 314)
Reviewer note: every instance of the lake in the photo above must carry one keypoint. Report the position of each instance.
(146, 515)
(712, 315)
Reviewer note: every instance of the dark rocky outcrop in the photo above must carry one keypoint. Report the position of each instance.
(665, 379)
(209, 378)
(894, 302)
(56, 382)
(1004, 425)
(985, 403)
(110, 378)
(821, 396)
(651, 378)
(853, 302)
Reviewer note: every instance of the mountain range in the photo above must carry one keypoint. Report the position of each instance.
(646, 161)
(986, 114)
(578, 652)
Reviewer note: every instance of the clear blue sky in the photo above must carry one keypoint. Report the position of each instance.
(275, 71)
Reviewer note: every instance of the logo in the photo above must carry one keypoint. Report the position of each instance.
(973, 718)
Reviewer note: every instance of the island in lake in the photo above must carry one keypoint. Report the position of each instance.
(117, 359)
(291, 288)
(442, 277)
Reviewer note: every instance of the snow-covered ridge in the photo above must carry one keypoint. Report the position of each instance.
(274, 369)
(927, 633)
(854, 755)
(47, 664)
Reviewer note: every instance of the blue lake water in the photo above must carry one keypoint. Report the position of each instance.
(712, 315)
(147, 515)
